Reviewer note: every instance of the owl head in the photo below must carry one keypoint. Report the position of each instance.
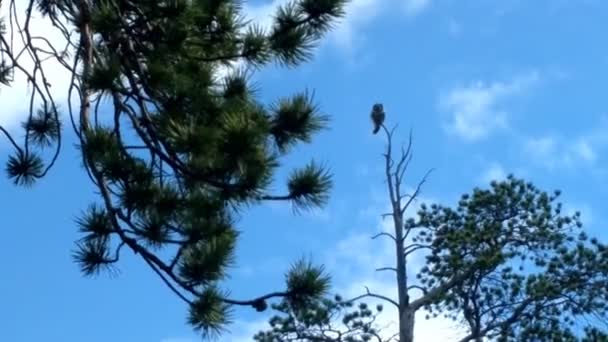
(378, 107)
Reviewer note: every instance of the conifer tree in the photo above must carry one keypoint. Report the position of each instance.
(506, 263)
(175, 147)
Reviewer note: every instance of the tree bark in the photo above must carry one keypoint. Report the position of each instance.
(406, 325)
(406, 319)
(393, 179)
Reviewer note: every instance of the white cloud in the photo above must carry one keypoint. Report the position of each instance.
(359, 254)
(495, 172)
(543, 151)
(553, 152)
(15, 99)
(262, 14)
(358, 13)
(352, 263)
(354, 260)
(242, 331)
(476, 110)
(438, 329)
(348, 32)
(585, 150)
(542, 146)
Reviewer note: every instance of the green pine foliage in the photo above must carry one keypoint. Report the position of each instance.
(506, 264)
(315, 321)
(526, 271)
(181, 150)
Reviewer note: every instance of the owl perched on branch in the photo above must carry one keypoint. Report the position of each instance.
(377, 116)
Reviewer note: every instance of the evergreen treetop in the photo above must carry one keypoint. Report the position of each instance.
(175, 149)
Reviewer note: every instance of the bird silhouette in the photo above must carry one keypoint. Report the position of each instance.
(378, 116)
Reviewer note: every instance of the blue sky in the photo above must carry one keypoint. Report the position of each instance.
(489, 88)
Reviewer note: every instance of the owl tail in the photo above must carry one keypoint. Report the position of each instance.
(376, 129)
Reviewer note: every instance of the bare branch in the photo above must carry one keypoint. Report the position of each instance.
(384, 234)
(404, 161)
(385, 215)
(417, 191)
(10, 138)
(167, 282)
(411, 248)
(374, 295)
(416, 287)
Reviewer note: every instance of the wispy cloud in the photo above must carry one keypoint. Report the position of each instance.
(544, 150)
(359, 13)
(476, 110)
(553, 151)
(350, 33)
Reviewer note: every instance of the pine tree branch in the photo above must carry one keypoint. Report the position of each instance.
(385, 215)
(436, 292)
(515, 316)
(374, 295)
(172, 161)
(251, 302)
(167, 282)
(276, 197)
(139, 28)
(10, 138)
